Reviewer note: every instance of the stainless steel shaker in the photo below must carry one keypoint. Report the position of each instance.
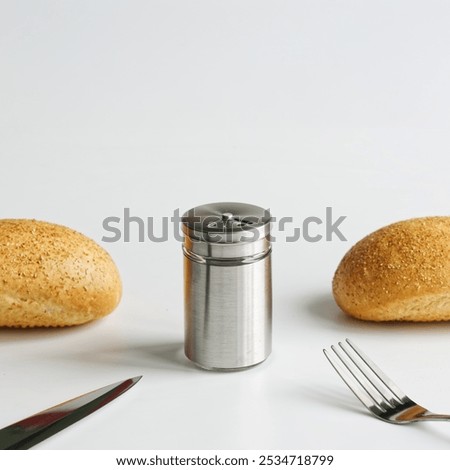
(227, 285)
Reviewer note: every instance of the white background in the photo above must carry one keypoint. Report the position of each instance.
(159, 105)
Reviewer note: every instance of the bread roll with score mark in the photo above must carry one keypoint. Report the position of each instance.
(398, 273)
(51, 275)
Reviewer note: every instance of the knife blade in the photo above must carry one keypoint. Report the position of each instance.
(34, 429)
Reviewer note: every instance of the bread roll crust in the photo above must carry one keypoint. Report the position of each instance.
(398, 273)
(51, 275)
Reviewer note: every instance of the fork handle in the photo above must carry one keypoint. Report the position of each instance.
(429, 416)
(414, 413)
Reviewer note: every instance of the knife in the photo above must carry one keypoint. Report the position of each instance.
(30, 431)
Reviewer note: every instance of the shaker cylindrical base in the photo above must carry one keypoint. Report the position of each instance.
(228, 314)
(224, 369)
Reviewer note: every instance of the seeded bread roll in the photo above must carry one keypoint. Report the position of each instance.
(398, 273)
(51, 275)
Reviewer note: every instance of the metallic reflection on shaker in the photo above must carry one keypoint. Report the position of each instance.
(227, 285)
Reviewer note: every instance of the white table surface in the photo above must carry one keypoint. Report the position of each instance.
(159, 105)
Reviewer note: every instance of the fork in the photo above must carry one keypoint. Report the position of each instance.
(377, 392)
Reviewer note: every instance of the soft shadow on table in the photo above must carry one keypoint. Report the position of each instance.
(323, 309)
(164, 356)
(334, 399)
(331, 398)
(157, 355)
(431, 428)
(167, 356)
(16, 335)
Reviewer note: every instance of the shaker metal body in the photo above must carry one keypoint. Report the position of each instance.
(227, 284)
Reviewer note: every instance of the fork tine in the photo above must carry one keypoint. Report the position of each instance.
(382, 390)
(362, 379)
(379, 373)
(352, 383)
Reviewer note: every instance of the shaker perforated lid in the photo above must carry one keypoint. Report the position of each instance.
(227, 222)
